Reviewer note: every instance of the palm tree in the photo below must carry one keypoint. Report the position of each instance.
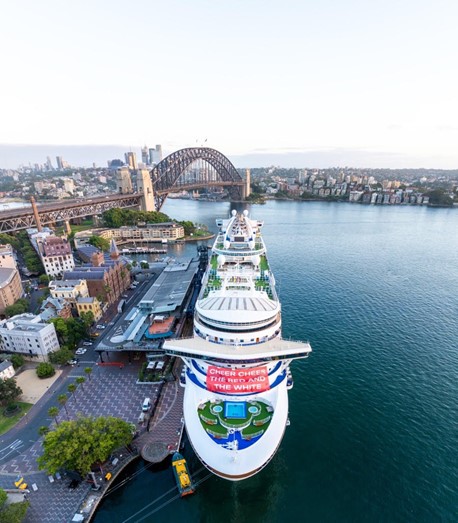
(71, 388)
(53, 412)
(62, 399)
(88, 371)
(80, 380)
(43, 430)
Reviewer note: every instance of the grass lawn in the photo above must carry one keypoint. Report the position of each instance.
(7, 422)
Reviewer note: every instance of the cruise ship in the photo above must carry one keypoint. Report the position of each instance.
(236, 374)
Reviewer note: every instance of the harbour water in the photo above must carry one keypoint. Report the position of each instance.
(374, 424)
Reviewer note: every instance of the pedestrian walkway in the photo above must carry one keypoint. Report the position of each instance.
(166, 427)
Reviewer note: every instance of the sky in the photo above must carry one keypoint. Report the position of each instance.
(337, 82)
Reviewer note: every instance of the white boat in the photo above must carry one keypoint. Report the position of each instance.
(237, 374)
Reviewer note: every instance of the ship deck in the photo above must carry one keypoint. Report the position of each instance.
(275, 349)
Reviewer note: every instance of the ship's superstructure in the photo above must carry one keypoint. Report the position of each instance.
(237, 372)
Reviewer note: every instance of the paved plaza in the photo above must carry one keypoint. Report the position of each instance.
(110, 391)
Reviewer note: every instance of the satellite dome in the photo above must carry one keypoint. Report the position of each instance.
(233, 212)
(221, 259)
(257, 260)
(245, 212)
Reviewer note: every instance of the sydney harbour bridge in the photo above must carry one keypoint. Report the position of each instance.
(184, 170)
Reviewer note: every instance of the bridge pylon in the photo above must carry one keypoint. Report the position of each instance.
(145, 186)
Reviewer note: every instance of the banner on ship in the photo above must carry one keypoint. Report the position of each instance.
(237, 381)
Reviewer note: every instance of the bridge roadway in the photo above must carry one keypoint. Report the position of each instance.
(63, 210)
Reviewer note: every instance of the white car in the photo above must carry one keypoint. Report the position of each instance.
(87, 343)
(79, 352)
(100, 327)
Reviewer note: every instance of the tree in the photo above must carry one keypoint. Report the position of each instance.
(14, 513)
(439, 197)
(43, 430)
(44, 279)
(144, 265)
(53, 412)
(45, 370)
(19, 307)
(80, 380)
(87, 318)
(61, 356)
(79, 444)
(88, 371)
(17, 360)
(101, 243)
(9, 391)
(62, 399)
(3, 497)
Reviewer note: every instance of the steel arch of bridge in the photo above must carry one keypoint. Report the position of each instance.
(166, 175)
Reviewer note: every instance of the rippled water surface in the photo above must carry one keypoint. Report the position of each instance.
(374, 422)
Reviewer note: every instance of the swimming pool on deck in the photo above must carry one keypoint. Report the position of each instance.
(234, 409)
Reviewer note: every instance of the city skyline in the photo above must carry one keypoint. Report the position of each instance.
(297, 84)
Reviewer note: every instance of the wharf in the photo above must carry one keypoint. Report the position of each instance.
(165, 429)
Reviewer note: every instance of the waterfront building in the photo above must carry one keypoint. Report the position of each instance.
(153, 232)
(28, 335)
(56, 255)
(10, 288)
(145, 155)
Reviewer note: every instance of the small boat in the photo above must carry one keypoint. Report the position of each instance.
(182, 476)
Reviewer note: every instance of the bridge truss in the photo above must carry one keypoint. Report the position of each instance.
(173, 173)
(52, 213)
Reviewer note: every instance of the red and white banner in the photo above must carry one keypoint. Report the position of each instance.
(237, 381)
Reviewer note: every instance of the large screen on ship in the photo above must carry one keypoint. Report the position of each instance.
(237, 381)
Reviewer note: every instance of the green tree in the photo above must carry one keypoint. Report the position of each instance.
(14, 513)
(79, 444)
(44, 279)
(188, 227)
(62, 399)
(80, 380)
(134, 263)
(439, 197)
(45, 370)
(101, 243)
(3, 497)
(144, 265)
(9, 391)
(61, 356)
(53, 413)
(87, 318)
(43, 430)
(88, 371)
(19, 307)
(17, 360)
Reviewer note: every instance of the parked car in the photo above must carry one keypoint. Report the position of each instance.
(87, 343)
(73, 361)
(81, 351)
(100, 327)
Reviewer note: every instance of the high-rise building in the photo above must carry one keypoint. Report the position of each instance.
(131, 160)
(49, 166)
(123, 181)
(60, 162)
(155, 154)
(145, 155)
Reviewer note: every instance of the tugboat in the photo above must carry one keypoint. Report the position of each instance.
(182, 476)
